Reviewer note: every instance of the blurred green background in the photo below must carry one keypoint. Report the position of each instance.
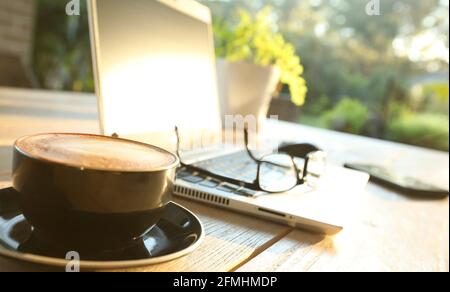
(381, 76)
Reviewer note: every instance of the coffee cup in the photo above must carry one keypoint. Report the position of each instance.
(91, 192)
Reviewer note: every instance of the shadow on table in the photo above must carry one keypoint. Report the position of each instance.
(389, 194)
(239, 230)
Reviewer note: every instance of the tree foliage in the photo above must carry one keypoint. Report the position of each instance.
(345, 53)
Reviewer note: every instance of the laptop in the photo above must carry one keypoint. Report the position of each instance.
(154, 67)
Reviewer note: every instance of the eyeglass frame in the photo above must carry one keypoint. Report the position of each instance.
(256, 184)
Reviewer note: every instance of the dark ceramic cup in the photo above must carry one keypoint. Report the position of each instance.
(88, 192)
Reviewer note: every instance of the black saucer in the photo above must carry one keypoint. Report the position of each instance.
(178, 233)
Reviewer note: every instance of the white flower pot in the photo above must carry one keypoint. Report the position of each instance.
(246, 89)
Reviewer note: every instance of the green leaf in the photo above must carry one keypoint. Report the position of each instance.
(255, 39)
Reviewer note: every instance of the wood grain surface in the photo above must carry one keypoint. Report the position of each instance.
(390, 231)
(388, 235)
(231, 238)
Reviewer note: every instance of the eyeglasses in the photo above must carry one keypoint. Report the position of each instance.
(276, 173)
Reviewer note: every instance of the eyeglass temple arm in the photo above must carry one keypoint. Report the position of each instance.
(253, 157)
(208, 173)
(221, 177)
(305, 169)
(247, 148)
(177, 133)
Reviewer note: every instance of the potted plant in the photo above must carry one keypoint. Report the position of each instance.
(254, 61)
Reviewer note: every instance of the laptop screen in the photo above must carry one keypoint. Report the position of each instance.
(155, 66)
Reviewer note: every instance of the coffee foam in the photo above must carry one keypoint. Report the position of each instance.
(95, 152)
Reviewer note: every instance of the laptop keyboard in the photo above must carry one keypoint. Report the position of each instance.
(237, 165)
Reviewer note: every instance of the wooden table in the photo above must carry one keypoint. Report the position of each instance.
(391, 232)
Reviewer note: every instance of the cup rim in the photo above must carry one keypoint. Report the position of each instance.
(173, 165)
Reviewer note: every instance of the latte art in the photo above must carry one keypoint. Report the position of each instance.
(96, 152)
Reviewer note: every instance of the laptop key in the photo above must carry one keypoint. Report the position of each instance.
(209, 183)
(229, 188)
(247, 192)
(193, 179)
(182, 173)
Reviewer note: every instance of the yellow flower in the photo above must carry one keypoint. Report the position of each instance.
(254, 39)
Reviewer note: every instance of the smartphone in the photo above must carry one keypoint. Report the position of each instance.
(406, 185)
